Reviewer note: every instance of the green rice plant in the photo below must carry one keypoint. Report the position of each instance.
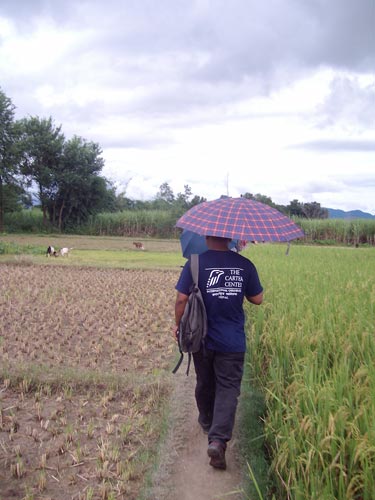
(312, 347)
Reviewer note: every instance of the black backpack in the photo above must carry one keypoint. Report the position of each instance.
(193, 325)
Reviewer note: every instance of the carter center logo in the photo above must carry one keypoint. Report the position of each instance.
(214, 277)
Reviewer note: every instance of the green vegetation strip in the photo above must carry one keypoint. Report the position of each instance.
(161, 223)
(91, 251)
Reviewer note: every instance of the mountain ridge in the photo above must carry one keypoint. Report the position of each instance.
(334, 213)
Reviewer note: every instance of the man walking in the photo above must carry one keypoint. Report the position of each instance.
(226, 278)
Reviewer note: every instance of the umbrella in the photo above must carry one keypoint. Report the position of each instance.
(195, 243)
(239, 218)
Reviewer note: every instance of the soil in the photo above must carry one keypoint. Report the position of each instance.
(184, 472)
(62, 437)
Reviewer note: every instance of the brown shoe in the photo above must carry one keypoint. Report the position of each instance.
(216, 452)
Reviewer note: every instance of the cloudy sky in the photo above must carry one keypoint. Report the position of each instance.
(227, 96)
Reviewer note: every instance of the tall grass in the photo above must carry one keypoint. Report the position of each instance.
(154, 223)
(161, 223)
(339, 231)
(312, 351)
(28, 221)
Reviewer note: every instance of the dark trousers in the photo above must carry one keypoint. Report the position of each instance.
(219, 376)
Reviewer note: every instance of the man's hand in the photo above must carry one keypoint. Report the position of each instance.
(181, 301)
(174, 331)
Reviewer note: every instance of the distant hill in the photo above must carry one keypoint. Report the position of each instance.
(352, 214)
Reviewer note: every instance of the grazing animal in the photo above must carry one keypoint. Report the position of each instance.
(51, 251)
(65, 251)
(139, 245)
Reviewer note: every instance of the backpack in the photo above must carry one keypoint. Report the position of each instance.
(193, 324)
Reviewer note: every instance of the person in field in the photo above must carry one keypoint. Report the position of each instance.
(226, 278)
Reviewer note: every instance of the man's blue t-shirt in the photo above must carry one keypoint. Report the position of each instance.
(225, 278)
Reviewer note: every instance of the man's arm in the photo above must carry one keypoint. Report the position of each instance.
(256, 299)
(179, 308)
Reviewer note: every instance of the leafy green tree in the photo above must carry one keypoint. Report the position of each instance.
(16, 198)
(249, 196)
(101, 196)
(186, 200)
(182, 199)
(9, 153)
(259, 197)
(79, 188)
(313, 210)
(295, 208)
(196, 200)
(165, 193)
(43, 144)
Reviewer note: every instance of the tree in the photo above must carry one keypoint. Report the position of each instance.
(15, 198)
(182, 199)
(261, 198)
(43, 144)
(9, 153)
(196, 200)
(165, 193)
(295, 208)
(311, 210)
(77, 185)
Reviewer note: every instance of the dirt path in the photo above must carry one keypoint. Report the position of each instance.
(184, 472)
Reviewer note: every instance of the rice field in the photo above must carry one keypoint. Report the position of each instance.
(86, 354)
(312, 351)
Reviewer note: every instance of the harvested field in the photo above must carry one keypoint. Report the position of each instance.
(85, 357)
(79, 242)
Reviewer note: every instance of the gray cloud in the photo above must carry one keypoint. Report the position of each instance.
(137, 142)
(359, 181)
(235, 40)
(334, 145)
(349, 103)
(132, 74)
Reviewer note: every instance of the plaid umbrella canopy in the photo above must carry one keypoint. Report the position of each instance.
(239, 218)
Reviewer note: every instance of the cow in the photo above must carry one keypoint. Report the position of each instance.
(139, 245)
